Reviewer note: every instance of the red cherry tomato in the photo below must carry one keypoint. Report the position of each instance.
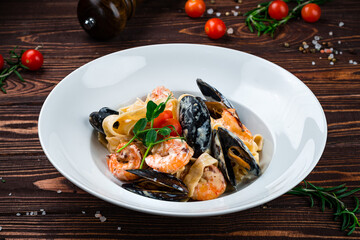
(176, 124)
(158, 122)
(195, 8)
(278, 9)
(215, 28)
(311, 12)
(32, 59)
(1, 62)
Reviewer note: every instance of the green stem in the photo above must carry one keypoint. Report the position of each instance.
(146, 153)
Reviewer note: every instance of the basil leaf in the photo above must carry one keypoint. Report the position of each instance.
(140, 125)
(165, 131)
(150, 137)
(150, 108)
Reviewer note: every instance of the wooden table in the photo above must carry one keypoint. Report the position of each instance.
(30, 183)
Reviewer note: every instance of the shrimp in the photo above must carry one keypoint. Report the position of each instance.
(211, 185)
(169, 156)
(128, 158)
(160, 93)
(231, 123)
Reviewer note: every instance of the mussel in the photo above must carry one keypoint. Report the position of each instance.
(216, 101)
(228, 148)
(96, 118)
(157, 185)
(230, 152)
(194, 118)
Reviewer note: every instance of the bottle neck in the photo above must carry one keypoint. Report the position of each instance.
(130, 7)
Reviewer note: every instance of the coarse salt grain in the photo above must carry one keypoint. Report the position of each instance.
(331, 63)
(351, 61)
(0, 228)
(10, 194)
(306, 46)
(218, 14)
(210, 11)
(339, 42)
(83, 212)
(341, 24)
(313, 63)
(314, 42)
(340, 52)
(330, 33)
(102, 219)
(118, 228)
(230, 31)
(27, 213)
(355, 62)
(317, 38)
(43, 213)
(58, 191)
(41, 209)
(237, 7)
(235, 13)
(97, 215)
(331, 56)
(18, 214)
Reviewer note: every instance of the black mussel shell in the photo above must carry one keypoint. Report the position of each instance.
(150, 189)
(157, 185)
(160, 178)
(211, 94)
(194, 119)
(96, 118)
(227, 140)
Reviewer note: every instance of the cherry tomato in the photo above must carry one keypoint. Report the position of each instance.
(311, 12)
(32, 59)
(195, 8)
(158, 122)
(278, 9)
(176, 124)
(215, 28)
(1, 62)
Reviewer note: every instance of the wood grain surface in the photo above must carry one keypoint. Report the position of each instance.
(31, 184)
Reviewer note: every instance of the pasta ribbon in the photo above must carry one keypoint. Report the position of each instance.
(196, 171)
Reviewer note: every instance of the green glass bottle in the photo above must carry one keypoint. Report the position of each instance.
(104, 19)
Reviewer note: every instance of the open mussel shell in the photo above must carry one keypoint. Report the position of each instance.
(211, 94)
(229, 150)
(96, 118)
(149, 189)
(195, 122)
(157, 185)
(160, 178)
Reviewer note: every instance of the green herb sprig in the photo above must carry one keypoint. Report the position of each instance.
(149, 136)
(14, 66)
(331, 197)
(259, 19)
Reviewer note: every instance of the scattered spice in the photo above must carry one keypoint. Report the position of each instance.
(210, 11)
(230, 31)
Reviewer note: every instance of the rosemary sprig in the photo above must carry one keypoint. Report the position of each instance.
(14, 67)
(331, 197)
(149, 136)
(259, 19)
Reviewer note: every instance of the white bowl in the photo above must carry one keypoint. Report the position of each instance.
(270, 101)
